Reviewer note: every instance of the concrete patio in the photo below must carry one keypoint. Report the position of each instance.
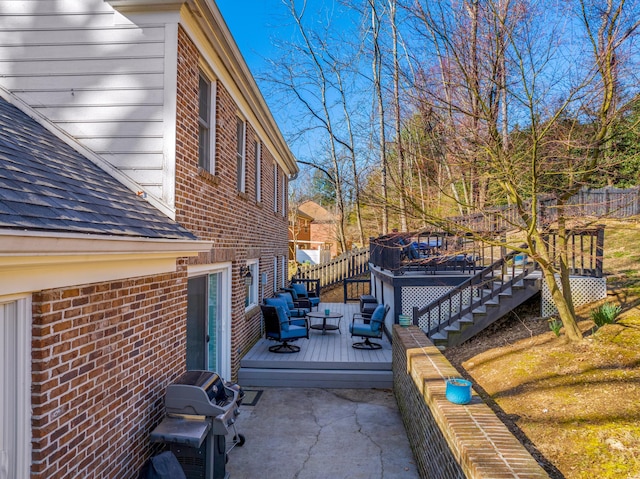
(307, 433)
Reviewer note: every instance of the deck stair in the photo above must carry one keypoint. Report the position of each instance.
(478, 302)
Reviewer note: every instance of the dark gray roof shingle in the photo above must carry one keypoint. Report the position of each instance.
(46, 185)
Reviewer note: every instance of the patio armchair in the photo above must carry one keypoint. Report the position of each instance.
(300, 291)
(373, 330)
(295, 308)
(279, 327)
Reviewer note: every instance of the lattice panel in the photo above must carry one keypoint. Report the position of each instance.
(584, 290)
(421, 296)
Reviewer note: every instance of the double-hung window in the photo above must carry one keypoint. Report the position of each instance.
(275, 274)
(258, 179)
(241, 133)
(284, 271)
(251, 284)
(275, 187)
(206, 130)
(283, 193)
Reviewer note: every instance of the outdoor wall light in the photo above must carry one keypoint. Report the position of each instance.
(245, 273)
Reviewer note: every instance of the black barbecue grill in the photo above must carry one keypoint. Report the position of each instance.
(201, 408)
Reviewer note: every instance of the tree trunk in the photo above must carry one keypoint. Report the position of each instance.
(376, 66)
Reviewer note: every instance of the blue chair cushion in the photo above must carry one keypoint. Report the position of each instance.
(284, 319)
(293, 293)
(300, 289)
(277, 302)
(294, 332)
(378, 313)
(377, 317)
(413, 252)
(288, 298)
(314, 301)
(365, 330)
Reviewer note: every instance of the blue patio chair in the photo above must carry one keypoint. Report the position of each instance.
(300, 291)
(297, 308)
(279, 327)
(281, 302)
(373, 330)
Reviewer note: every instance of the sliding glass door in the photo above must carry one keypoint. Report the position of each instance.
(208, 328)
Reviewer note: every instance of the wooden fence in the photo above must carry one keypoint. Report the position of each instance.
(588, 202)
(348, 265)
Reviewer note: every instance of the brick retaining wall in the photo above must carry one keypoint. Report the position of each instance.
(451, 441)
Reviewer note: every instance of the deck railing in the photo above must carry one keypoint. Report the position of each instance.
(584, 258)
(352, 289)
(348, 265)
(584, 250)
(429, 252)
(470, 294)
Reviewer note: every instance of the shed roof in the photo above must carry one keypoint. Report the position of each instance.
(45, 185)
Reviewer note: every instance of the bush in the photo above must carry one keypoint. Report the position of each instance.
(555, 325)
(605, 314)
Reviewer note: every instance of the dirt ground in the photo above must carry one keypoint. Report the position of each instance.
(575, 407)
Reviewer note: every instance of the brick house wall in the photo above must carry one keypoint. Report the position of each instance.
(210, 205)
(102, 356)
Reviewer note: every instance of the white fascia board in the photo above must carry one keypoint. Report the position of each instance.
(33, 261)
(135, 5)
(36, 243)
(206, 27)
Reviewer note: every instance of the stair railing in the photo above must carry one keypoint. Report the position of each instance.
(351, 264)
(472, 293)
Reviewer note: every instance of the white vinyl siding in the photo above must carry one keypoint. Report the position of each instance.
(98, 77)
(15, 388)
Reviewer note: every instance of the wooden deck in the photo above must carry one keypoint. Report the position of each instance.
(325, 360)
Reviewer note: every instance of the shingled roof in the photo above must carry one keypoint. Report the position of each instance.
(45, 185)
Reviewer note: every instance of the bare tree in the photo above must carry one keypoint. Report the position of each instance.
(376, 68)
(503, 56)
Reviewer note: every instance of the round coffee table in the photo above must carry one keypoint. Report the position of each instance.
(324, 326)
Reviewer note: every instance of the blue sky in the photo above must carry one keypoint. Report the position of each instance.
(253, 24)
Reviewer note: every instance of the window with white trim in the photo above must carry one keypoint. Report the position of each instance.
(241, 133)
(15, 387)
(258, 165)
(284, 271)
(275, 273)
(206, 123)
(283, 194)
(251, 287)
(275, 187)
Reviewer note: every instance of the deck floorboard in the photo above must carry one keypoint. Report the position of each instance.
(326, 354)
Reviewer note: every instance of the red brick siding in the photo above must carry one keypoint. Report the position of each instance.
(210, 205)
(102, 355)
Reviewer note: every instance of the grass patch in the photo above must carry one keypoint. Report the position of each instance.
(577, 403)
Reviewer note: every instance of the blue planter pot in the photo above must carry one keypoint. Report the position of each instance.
(458, 391)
